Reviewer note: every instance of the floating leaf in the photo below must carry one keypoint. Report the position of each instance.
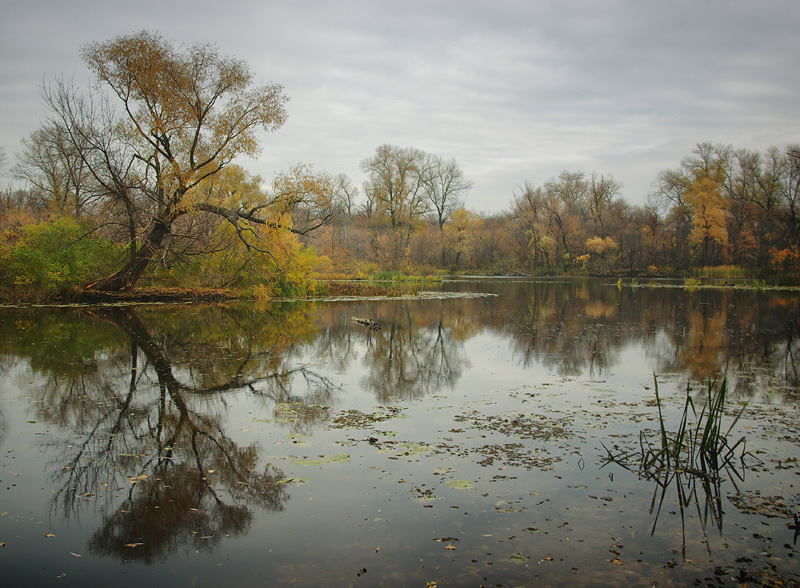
(308, 462)
(459, 484)
(333, 458)
(338, 458)
(296, 481)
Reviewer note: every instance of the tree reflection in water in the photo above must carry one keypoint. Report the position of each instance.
(415, 354)
(157, 441)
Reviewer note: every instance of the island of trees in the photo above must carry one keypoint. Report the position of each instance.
(134, 184)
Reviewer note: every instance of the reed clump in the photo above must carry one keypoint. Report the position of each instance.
(701, 445)
(694, 460)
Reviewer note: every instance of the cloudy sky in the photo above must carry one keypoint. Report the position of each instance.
(514, 90)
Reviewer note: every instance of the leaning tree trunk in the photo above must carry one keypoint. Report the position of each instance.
(130, 273)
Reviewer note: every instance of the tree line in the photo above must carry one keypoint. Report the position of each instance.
(136, 181)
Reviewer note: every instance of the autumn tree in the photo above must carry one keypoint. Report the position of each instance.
(183, 115)
(529, 226)
(709, 232)
(395, 184)
(51, 163)
(80, 144)
(461, 236)
(739, 202)
(566, 204)
(446, 187)
(673, 193)
(601, 193)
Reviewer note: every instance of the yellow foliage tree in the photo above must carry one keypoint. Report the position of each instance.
(708, 209)
(461, 234)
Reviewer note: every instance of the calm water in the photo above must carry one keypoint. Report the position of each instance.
(463, 443)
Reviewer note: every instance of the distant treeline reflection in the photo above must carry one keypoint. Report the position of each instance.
(572, 327)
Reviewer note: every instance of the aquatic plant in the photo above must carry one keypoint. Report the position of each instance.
(702, 449)
(698, 455)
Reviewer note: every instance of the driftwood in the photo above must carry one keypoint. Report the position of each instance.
(366, 322)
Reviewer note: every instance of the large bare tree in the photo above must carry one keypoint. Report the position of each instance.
(446, 187)
(395, 184)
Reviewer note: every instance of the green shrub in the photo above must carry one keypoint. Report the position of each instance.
(52, 256)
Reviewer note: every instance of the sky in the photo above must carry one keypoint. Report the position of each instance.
(514, 90)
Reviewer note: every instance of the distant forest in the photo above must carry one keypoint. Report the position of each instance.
(134, 184)
(720, 207)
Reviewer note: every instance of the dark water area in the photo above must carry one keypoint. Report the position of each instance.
(465, 442)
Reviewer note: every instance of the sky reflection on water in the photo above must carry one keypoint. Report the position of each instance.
(461, 442)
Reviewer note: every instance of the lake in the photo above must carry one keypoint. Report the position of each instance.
(489, 432)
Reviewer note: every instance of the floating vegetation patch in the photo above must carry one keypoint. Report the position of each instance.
(768, 506)
(299, 440)
(516, 558)
(538, 427)
(355, 419)
(459, 484)
(516, 455)
(299, 412)
(407, 449)
(323, 459)
(295, 481)
(421, 295)
(423, 494)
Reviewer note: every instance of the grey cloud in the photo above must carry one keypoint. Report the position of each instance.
(514, 90)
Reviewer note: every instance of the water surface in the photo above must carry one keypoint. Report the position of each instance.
(462, 443)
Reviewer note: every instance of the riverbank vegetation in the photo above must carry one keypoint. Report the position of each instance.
(134, 187)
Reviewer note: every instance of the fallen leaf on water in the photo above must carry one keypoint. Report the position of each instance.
(548, 557)
(459, 484)
(49, 535)
(75, 554)
(133, 544)
(449, 546)
(617, 561)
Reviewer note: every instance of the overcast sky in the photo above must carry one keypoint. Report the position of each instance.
(514, 90)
